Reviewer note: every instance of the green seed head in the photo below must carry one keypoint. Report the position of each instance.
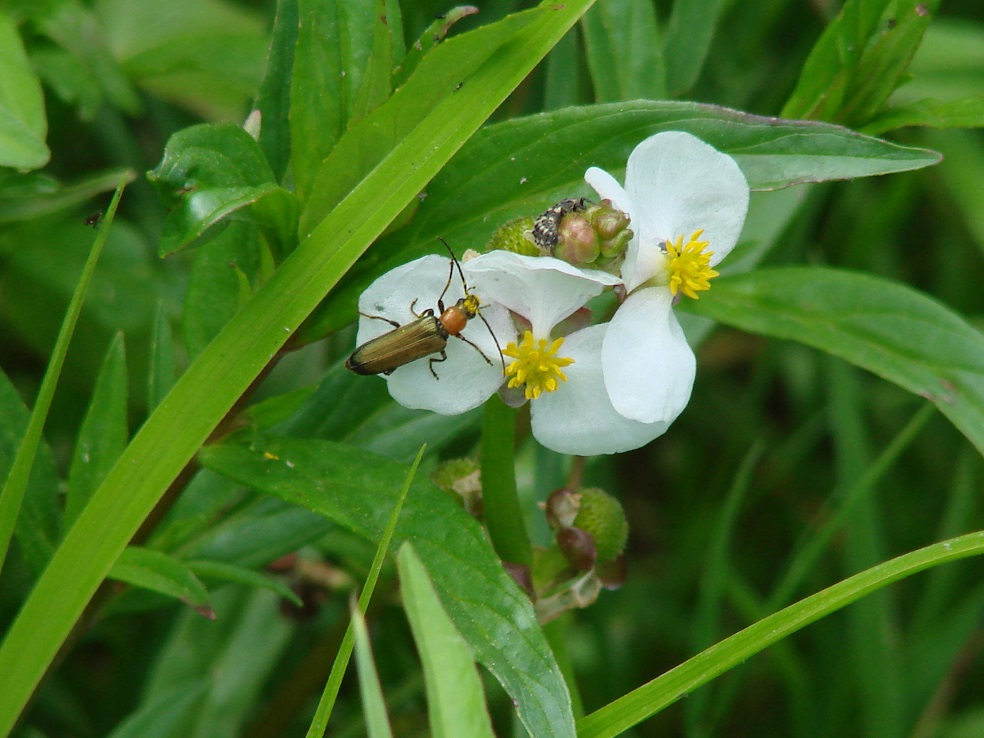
(602, 517)
(513, 236)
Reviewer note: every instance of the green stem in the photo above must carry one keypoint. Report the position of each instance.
(503, 514)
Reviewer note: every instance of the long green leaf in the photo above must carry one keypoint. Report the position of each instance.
(455, 698)
(221, 374)
(103, 434)
(373, 704)
(641, 703)
(23, 125)
(158, 572)
(887, 328)
(625, 30)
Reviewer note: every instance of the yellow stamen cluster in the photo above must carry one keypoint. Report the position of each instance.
(537, 365)
(689, 266)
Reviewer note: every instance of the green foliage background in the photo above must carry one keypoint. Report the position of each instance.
(837, 420)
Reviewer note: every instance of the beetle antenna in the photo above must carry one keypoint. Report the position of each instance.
(496, 340)
(454, 263)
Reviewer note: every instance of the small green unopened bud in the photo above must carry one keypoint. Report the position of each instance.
(607, 220)
(614, 234)
(615, 247)
(514, 236)
(601, 515)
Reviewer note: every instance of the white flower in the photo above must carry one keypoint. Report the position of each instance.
(505, 284)
(562, 378)
(681, 195)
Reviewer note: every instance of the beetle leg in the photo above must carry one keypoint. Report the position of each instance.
(481, 353)
(380, 317)
(431, 362)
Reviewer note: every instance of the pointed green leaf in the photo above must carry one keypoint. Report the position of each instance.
(371, 691)
(23, 125)
(966, 112)
(103, 434)
(273, 101)
(859, 60)
(27, 197)
(158, 572)
(38, 527)
(692, 25)
(625, 30)
(884, 63)
(884, 327)
(454, 690)
(223, 572)
(487, 606)
(327, 702)
(833, 60)
(16, 482)
(435, 33)
(333, 47)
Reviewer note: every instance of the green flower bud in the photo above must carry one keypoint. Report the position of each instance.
(601, 516)
(607, 221)
(514, 236)
(578, 244)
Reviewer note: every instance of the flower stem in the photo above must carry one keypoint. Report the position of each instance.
(503, 514)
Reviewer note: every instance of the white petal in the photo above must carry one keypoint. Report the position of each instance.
(396, 295)
(649, 367)
(542, 289)
(678, 184)
(578, 418)
(465, 380)
(608, 188)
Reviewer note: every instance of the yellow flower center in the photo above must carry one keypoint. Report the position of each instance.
(536, 365)
(689, 266)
